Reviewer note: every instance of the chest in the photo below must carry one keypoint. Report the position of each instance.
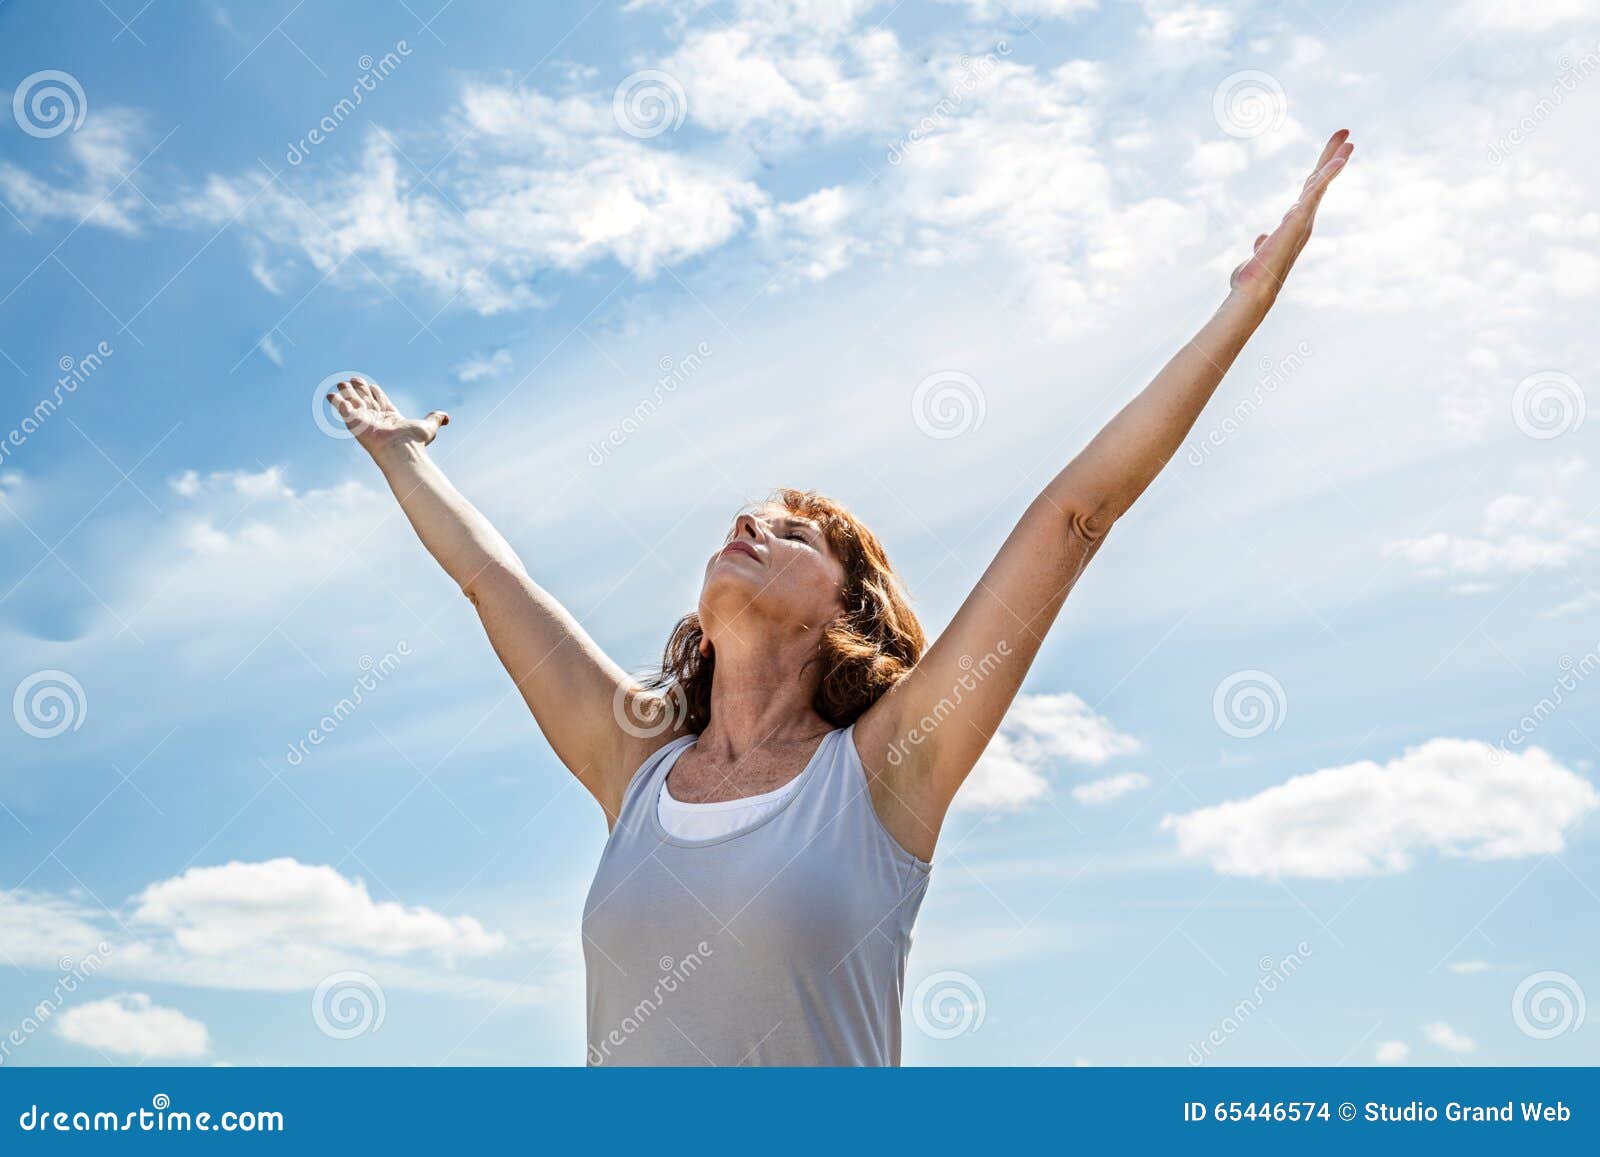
(699, 777)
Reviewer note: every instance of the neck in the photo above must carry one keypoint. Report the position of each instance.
(761, 693)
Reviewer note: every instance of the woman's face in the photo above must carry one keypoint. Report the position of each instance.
(775, 568)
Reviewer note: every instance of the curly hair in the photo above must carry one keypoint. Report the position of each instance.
(867, 648)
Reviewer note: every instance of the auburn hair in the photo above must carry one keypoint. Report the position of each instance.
(867, 648)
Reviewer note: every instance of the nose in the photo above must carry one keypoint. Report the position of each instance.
(746, 526)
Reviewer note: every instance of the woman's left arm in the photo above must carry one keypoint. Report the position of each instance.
(919, 741)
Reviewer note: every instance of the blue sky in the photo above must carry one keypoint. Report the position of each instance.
(912, 256)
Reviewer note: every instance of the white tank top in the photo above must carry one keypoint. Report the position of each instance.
(708, 821)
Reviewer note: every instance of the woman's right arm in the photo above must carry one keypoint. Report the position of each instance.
(569, 683)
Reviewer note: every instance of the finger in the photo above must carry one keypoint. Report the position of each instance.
(379, 396)
(346, 391)
(1333, 145)
(1259, 242)
(434, 420)
(362, 389)
(341, 405)
(1323, 177)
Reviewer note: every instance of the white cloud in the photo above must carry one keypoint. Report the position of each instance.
(1392, 1052)
(1188, 26)
(1468, 967)
(534, 184)
(102, 155)
(1215, 161)
(480, 366)
(1109, 788)
(239, 907)
(129, 1024)
(1452, 797)
(1448, 1038)
(1038, 732)
(1517, 533)
(1487, 15)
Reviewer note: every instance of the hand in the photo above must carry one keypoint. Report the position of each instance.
(1263, 274)
(375, 422)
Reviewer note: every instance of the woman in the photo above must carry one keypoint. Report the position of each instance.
(775, 795)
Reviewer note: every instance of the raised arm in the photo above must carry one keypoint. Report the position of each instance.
(568, 682)
(921, 739)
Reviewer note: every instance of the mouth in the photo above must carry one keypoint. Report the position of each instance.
(739, 546)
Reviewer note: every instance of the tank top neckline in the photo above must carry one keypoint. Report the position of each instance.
(657, 783)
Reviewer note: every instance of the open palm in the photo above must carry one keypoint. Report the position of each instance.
(1264, 271)
(374, 419)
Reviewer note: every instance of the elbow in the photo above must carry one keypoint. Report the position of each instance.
(483, 582)
(1087, 521)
